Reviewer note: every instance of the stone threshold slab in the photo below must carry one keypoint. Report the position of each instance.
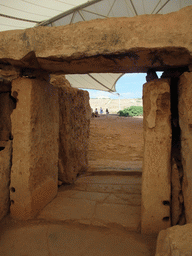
(42, 239)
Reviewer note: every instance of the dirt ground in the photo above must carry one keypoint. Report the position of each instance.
(116, 138)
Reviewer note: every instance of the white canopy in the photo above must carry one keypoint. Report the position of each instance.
(96, 81)
(21, 14)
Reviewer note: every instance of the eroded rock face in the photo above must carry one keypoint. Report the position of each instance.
(35, 129)
(176, 240)
(156, 187)
(7, 105)
(177, 209)
(133, 44)
(59, 81)
(185, 121)
(75, 113)
(5, 169)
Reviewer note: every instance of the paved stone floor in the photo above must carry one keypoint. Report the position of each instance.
(101, 199)
(98, 215)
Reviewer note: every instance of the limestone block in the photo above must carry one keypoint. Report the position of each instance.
(5, 169)
(35, 128)
(75, 113)
(176, 240)
(59, 81)
(6, 107)
(126, 44)
(156, 188)
(185, 122)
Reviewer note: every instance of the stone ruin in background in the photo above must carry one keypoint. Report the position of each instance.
(45, 123)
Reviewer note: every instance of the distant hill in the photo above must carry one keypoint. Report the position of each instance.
(114, 105)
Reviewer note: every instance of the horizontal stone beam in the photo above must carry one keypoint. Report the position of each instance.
(117, 45)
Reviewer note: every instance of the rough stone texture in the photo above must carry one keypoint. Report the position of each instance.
(35, 128)
(133, 44)
(74, 120)
(5, 169)
(185, 122)
(177, 214)
(176, 240)
(59, 81)
(6, 107)
(156, 188)
(8, 72)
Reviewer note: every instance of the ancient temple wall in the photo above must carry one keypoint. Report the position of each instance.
(7, 105)
(5, 169)
(156, 188)
(185, 122)
(74, 119)
(35, 129)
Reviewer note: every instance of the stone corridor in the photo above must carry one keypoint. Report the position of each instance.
(100, 198)
(98, 215)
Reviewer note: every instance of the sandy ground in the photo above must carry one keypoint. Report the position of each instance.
(116, 138)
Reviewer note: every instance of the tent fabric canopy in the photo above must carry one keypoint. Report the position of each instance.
(22, 14)
(100, 81)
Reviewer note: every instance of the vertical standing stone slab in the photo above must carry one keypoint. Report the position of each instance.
(185, 122)
(156, 188)
(35, 129)
(5, 169)
(75, 113)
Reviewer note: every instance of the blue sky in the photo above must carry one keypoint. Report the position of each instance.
(128, 86)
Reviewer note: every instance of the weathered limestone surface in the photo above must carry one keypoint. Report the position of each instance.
(6, 107)
(5, 169)
(35, 129)
(133, 44)
(185, 121)
(59, 81)
(156, 188)
(177, 214)
(74, 120)
(8, 73)
(176, 240)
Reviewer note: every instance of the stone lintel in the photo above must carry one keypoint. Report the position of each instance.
(133, 44)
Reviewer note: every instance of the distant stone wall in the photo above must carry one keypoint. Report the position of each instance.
(74, 119)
